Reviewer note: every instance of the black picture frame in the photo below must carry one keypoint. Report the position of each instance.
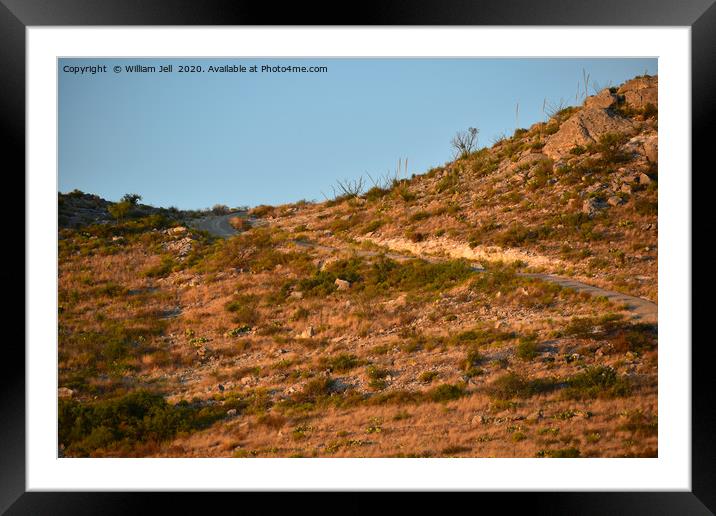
(16, 15)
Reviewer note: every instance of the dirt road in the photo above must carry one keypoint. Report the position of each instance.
(641, 309)
(217, 224)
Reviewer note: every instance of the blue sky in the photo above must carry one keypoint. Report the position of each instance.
(192, 140)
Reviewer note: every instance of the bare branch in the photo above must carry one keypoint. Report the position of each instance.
(464, 142)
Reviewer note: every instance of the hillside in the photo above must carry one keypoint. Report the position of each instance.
(397, 320)
(576, 195)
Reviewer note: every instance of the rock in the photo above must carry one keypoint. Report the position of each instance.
(342, 284)
(308, 333)
(615, 200)
(583, 128)
(246, 380)
(64, 392)
(644, 179)
(626, 188)
(177, 230)
(641, 145)
(399, 301)
(297, 294)
(593, 206)
(220, 387)
(605, 99)
(181, 247)
(324, 264)
(530, 159)
(231, 412)
(640, 91)
(651, 149)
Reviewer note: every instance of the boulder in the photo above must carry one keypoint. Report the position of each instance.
(640, 91)
(646, 146)
(177, 230)
(308, 333)
(583, 128)
(342, 284)
(615, 200)
(644, 179)
(605, 99)
(651, 148)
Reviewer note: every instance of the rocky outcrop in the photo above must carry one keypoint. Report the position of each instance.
(646, 145)
(583, 128)
(605, 99)
(640, 91)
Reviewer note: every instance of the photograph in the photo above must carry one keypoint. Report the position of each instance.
(370, 257)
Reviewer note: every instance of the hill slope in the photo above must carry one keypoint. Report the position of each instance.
(307, 334)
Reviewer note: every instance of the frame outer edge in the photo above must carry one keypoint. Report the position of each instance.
(12, 380)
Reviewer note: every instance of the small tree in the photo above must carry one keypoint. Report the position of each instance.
(220, 209)
(120, 210)
(464, 142)
(131, 198)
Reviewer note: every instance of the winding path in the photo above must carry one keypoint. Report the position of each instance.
(641, 309)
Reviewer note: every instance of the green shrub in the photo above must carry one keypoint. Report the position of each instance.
(517, 234)
(449, 182)
(527, 347)
(162, 269)
(446, 392)
(646, 207)
(427, 376)
(372, 226)
(243, 309)
(472, 360)
(420, 215)
(512, 385)
(609, 145)
(596, 381)
(137, 417)
(376, 376)
(562, 453)
(314, 390)
(342, 362)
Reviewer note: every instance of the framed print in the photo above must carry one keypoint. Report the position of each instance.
(424, 252)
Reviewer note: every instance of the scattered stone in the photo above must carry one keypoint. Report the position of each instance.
(615, 200)
(308, 333)
(297, 294)
(177, 230)
(181, 247)
(64, 392)
(537, 416)
(231, 412)
(644, 179)
(592, 206)
(342, 284)
(626, 188)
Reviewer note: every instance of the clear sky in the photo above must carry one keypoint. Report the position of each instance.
(192, 140)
